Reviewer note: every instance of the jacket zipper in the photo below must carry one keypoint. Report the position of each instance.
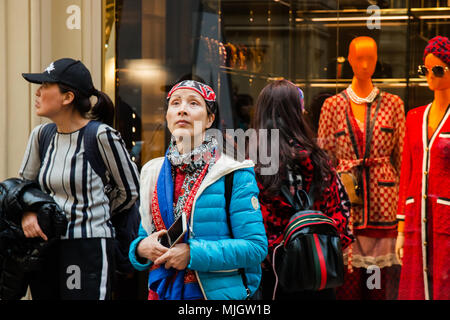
(191, 225)
(225, 271)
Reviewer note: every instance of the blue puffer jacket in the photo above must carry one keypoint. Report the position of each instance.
(215, 256)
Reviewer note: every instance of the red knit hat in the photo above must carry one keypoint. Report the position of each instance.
(440, 47)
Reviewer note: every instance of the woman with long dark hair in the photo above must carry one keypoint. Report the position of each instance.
(302, 163)
(81, 264)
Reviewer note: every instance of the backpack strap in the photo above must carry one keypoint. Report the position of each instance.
(228, 192)
(300, 200)
(48, 131)
(92, 151)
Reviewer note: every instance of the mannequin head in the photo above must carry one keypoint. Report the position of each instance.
(437, 53)
(362, 56)
(436, 83)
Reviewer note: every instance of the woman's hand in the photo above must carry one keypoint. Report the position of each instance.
(150, 247)
(177, 257)
(30, 226)
(399, 246)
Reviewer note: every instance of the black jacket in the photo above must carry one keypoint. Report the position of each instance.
(18, 254)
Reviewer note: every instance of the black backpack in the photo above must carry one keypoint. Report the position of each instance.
(310, 255)
(126, 223)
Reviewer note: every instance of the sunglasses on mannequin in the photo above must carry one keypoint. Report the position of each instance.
(438, 71)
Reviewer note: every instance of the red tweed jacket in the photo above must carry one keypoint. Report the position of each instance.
(424, 205)
(338, 134)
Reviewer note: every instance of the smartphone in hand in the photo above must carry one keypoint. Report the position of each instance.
(175, 233)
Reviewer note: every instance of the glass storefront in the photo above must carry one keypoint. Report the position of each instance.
(238, 46)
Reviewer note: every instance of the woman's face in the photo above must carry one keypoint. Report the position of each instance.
(49, 100)
(436, 83)
(187, 115)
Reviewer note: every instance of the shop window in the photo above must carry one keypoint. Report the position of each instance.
(239, 46)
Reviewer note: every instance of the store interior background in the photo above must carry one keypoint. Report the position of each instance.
(238, 46)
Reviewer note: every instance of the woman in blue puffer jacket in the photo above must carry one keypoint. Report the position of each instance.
(217, 259)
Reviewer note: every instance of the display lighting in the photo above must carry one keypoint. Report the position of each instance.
(364, 18)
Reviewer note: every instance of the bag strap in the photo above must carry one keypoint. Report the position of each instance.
(301, 200)
(228, 192)
(370, 122)
(92, 151)
(369, 134)
(371, 128)
(48, 131)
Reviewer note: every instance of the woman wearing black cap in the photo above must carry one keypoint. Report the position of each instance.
(81, 265)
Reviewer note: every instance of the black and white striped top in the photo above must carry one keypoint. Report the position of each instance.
(67, 176)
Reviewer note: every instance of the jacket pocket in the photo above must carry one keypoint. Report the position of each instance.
(441, 218)
(443, 201)
(387, 129)
(401, 217)
(386, 183)
(226, 271)
(339, 133)
(410, 211)
(444, 135)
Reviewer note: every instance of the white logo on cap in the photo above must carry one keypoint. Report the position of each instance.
(50, 68)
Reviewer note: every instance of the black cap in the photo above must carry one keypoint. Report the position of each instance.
(67, 71)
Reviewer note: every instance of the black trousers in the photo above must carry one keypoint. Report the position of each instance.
(79, 269)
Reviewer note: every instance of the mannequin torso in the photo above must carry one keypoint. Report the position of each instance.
(362, 88)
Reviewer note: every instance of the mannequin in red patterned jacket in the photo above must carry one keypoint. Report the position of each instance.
(424, 200)
(363, 127)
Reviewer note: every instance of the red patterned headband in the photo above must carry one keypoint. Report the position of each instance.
(440, 47)
(204, 90)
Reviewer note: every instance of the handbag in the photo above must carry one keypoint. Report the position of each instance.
(310, 255)
(352, 187)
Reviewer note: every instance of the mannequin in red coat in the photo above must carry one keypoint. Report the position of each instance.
(424, 198)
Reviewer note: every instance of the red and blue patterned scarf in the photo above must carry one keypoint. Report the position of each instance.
(172, 284)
